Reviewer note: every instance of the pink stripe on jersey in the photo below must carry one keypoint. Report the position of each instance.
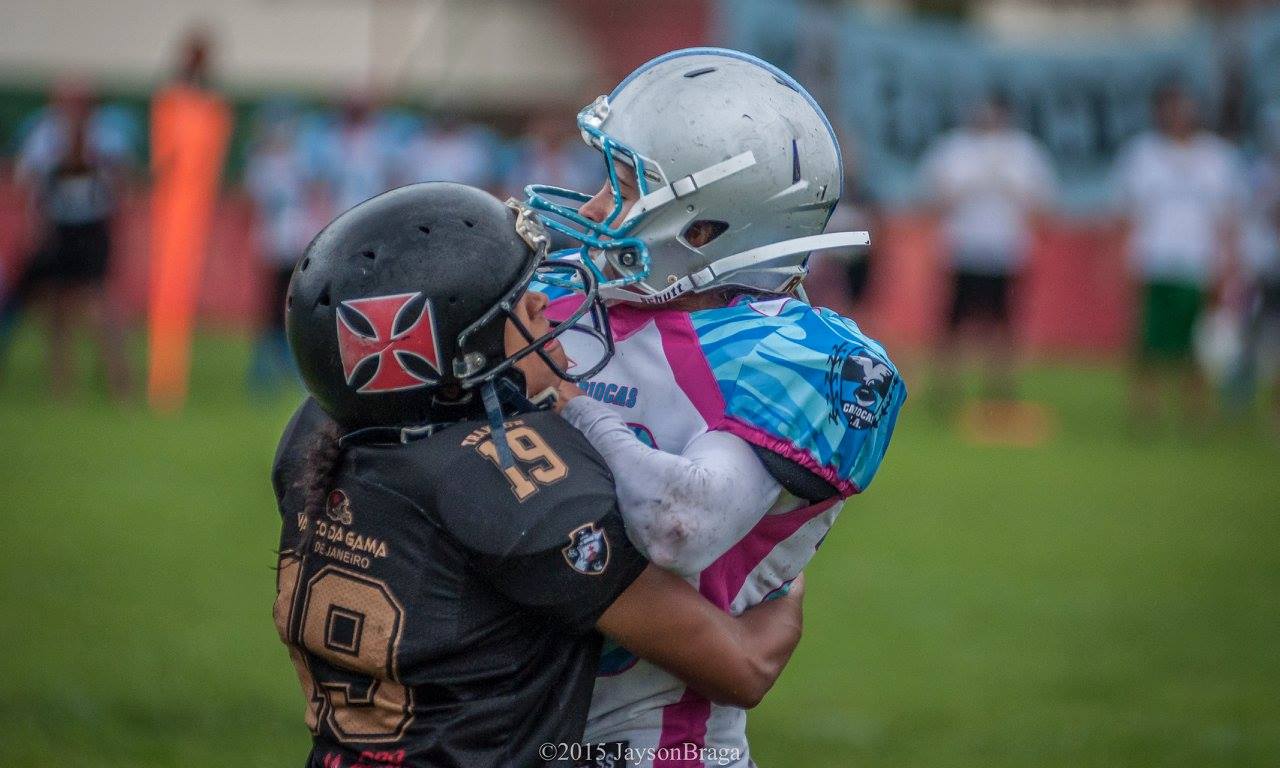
(684, 722)
(559, 309)
(723, 579)
(756, 436)
(624, 319)
(679, 343)
(689, 365)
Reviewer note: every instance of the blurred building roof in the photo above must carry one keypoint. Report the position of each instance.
(477, 52)
(1019, 20)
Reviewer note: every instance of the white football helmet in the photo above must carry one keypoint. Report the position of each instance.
(720, 140)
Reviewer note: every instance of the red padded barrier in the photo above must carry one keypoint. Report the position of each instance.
(1075, 297)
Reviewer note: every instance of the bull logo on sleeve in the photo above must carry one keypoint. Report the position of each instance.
(859, 386)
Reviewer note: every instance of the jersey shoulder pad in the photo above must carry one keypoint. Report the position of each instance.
(557, 484)
(805, 383)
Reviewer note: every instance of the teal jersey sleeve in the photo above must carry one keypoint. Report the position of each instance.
(805, 383)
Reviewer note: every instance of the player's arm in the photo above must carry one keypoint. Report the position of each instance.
(564, 552)
(730, 660)
(686, 510)
(652, 612)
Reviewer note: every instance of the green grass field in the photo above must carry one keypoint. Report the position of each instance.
(1098, 601)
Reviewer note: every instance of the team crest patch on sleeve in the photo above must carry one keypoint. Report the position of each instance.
(588, 550)
(859, 385)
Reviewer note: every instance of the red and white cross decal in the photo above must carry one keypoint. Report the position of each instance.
(390, 348)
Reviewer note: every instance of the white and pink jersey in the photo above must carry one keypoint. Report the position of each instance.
(660, 383)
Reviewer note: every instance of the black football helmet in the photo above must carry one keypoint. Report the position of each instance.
(396, 312)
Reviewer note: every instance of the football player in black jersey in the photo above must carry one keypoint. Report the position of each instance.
(450, 552)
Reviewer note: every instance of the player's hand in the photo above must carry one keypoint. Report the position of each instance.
(730, 660)
(796, 592)
(566, 391)
(794, 599)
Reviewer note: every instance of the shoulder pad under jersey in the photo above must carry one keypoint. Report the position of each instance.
(805, 383)
(558, 483)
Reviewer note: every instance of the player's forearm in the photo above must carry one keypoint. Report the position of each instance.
(767, 634)
(730, 660)
(682, 511)
(643, 478)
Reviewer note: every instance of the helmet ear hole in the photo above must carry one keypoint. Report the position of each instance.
(703, 231)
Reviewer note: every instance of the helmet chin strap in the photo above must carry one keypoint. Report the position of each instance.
(493, 408)
(761, 259)
(494, 394)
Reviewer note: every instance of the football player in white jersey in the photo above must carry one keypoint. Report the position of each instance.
(735, 417)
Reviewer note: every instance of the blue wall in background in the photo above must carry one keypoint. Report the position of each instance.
(894, 86)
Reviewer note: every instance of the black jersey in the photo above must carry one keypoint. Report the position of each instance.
(440, 610)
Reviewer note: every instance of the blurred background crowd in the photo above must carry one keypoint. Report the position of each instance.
(1044, 177)
(78, 179)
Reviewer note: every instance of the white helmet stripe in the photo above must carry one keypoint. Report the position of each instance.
(759, 258)
(691, 183)
(756, 259)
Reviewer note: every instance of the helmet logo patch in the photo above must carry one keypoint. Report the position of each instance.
(398, 340)
(338, 507)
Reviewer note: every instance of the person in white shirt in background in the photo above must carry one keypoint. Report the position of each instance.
(988, 181)
(1261, 257)
(1179, 190)
(286, 199)
(550, 151)
(453, 150)
(75, 162)
(356, 154)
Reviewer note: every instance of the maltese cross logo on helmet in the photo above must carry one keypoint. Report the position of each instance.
(398, 341)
